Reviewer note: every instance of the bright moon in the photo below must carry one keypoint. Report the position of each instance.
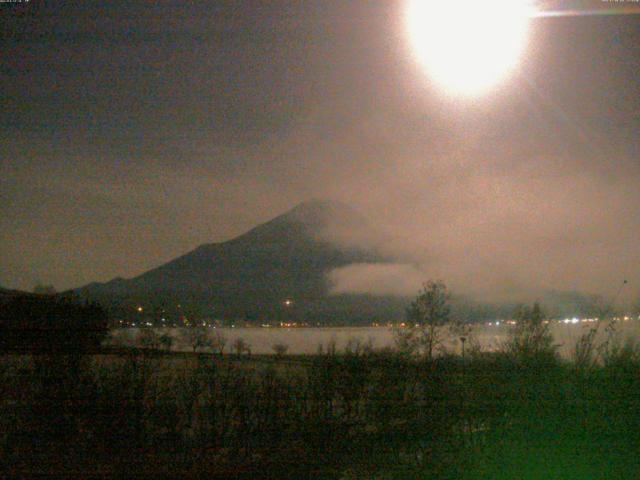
(468, 45)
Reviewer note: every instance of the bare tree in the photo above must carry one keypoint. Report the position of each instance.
(148, 338)
(197, 338)
(219, 341)
(426, 315)
(240, 346)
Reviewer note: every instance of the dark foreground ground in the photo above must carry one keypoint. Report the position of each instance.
(358, 415)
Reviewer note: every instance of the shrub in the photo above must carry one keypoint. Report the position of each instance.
(530, 338)
(584, 352)
(166, 341)
(280, 349)
(148, 338)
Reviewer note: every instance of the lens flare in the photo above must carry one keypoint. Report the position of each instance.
(468, 45)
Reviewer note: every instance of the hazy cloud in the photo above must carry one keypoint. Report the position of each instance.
(377, 279)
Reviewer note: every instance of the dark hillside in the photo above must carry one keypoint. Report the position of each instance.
(252, 275)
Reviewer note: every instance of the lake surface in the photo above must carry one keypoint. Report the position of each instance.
(308, 340)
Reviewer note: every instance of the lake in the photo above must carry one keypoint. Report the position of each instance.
(307, 340)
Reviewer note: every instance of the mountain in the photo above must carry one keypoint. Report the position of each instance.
(252, 276)
(278, 271)
(6, 293)
(9, 294)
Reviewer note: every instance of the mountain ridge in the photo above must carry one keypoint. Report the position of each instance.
(251, 275)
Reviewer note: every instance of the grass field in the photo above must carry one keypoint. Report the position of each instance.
(358, 414)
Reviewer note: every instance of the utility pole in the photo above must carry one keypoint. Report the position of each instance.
(463, 339)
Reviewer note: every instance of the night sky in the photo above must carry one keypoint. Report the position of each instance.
(136, 131)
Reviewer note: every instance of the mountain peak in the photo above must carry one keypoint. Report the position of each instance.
(315, 219)
(288, 256)
(321, 205)
(322, 214)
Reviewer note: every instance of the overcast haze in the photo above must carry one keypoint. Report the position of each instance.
(136, 131)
